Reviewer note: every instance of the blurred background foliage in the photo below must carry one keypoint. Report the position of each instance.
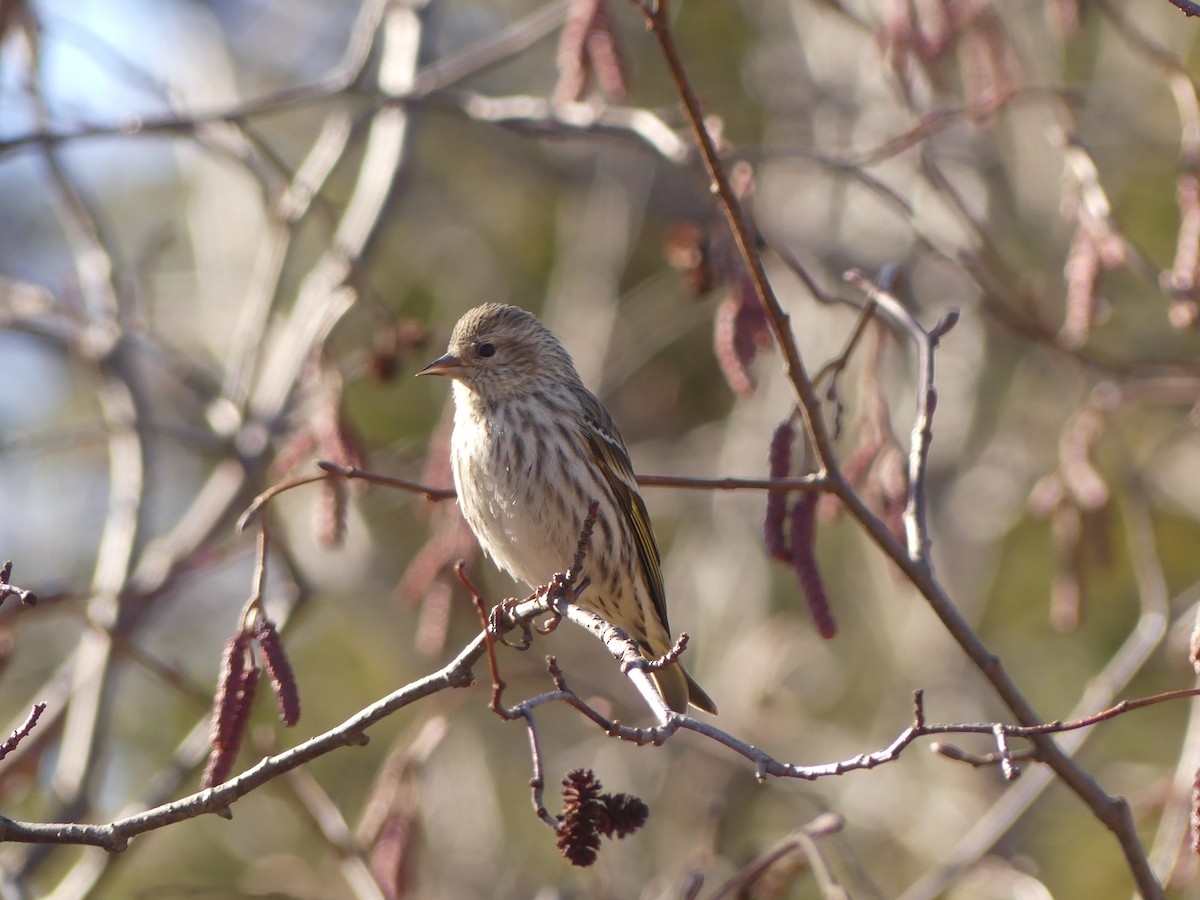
(225, 248)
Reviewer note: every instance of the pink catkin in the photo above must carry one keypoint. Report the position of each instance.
(331, 512)
(433, 623)
(990, 70)
(605, 56)
(279, 670)
(933, 29)
(233, 667)
(889, 478)
(780, 465)
(1186, 267)
(804, 562)
(752, 332)
(391, 852)
(1194, 648)
(1195, 816)
(854, 469)
(741, 331)
(450, 540)
(1080, 272)
(1081, 478)
(725, 345)
(587, 47)
(572, 59)
(224, 752)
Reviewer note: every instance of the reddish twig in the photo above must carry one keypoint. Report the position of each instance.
(272, 492)
(489, 627)
(430, 493)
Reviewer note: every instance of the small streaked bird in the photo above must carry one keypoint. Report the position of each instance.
(532, 447)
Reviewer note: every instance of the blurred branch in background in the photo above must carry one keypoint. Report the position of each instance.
(229, 228)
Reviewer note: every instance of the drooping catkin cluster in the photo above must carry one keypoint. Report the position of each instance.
(790, 530)
(587, 51)
(237, 684)
(589, 814)
(1183, 279)
(708, 258)
(924, 33)
(1094, 247)
(740, 332)
(1075, 499)
(1097, 244)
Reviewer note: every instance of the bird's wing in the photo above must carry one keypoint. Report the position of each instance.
(613, 461)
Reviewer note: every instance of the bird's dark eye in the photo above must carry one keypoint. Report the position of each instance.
(486, 349)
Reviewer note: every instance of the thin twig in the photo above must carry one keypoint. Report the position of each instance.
(21, 733)
(270, 493)
(836, 366)
(434, 494)
(8, 589)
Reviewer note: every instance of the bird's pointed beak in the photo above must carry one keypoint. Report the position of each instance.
(449, 365)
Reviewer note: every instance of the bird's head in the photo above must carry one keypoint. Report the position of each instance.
(499, 351)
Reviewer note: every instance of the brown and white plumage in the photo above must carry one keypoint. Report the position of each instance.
(531, 448)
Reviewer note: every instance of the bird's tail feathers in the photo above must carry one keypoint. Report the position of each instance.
(679, 689)
(697, 696)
